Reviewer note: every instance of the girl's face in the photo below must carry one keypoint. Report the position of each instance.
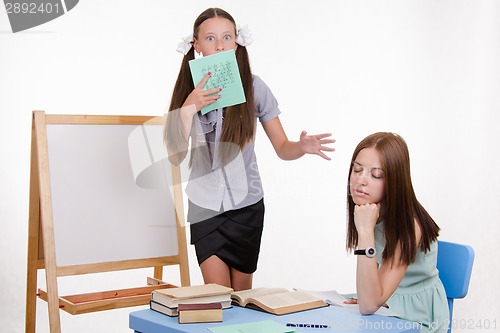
(366, 182)
(215, 35)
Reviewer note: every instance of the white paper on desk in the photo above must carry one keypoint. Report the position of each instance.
(332, 297)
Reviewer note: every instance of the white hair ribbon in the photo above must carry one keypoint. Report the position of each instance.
(186, 44)
(244, 37)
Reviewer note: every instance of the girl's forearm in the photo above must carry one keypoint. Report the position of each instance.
(290, 150)
(186, 114)
(181, 118)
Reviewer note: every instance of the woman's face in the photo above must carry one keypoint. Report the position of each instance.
(366, 181)
(215, 35)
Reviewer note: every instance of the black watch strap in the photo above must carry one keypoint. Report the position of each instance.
(369, 252)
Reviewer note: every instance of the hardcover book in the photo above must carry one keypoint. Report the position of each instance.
(200, 313)
(207, 293)
(173, 312)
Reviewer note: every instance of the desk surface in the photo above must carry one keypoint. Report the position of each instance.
(340, 320)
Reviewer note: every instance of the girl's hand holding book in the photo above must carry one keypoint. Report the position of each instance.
(201, 98)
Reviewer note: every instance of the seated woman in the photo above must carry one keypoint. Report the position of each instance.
(393, 235)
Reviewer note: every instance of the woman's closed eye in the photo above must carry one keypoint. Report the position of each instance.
(357, 169)
(377, 173)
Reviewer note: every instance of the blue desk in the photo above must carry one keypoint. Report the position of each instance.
(340, 320)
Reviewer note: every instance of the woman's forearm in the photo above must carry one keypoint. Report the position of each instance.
(367, 279)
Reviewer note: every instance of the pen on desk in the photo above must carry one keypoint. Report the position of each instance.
(301, 325)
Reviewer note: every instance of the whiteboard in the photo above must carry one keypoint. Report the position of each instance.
(111, 193)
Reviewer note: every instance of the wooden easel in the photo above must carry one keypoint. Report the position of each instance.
(41, 240)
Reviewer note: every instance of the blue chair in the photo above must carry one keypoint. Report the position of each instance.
(454, 263)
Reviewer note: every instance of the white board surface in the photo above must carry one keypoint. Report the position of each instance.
(111, 198)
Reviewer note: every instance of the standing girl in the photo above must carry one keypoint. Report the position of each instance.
(226, 207)
(394, 236)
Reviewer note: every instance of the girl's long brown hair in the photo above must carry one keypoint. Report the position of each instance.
(239, 121)
(399, 206)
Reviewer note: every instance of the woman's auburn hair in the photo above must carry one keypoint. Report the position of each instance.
(239, 120)
(399, 207)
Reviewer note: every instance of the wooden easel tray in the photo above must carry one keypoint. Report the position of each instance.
(105, 300)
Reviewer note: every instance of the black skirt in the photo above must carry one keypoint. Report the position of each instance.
(233, 236)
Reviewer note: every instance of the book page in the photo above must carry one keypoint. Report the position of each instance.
(331, 297)
(281, 300)
(224, 74)
(244, 295)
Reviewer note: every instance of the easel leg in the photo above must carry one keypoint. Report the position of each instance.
(46, 224)
(158, 272)
(31, 284)
(181, 232)
(33, 238)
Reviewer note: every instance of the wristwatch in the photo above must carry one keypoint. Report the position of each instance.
(369, 252)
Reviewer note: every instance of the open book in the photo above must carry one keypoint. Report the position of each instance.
(276, 300)
(332, 297)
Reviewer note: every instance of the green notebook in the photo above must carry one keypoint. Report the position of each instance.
(265, 326)
(224, 74)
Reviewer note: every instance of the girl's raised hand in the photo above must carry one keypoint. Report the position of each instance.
(315, 144)
(201, 98)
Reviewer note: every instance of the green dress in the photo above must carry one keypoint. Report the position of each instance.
(420, 296)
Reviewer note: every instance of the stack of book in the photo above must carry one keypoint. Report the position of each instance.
(167, 301)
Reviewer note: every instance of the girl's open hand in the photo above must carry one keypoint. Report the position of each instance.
(201, 98)
(315, 144)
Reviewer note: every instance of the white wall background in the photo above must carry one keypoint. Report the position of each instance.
(428, 70)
